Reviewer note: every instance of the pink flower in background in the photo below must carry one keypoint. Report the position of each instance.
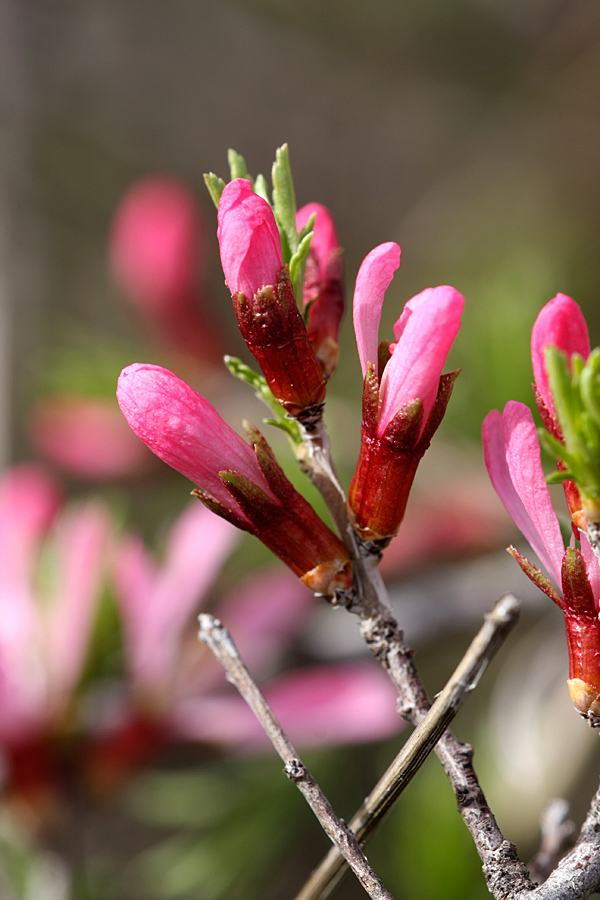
(404, 393)
(45, 626)
(178, 691)
(240, 481)
(87, 437)
(512, 457)
(157, 243)
(156, 254)
(157, 601)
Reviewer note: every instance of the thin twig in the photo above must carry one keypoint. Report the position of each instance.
(577, 875)
(213, 633)
(557, 835)
(420, 744)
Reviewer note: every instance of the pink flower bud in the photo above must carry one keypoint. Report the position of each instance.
(403, 408)
(560, 324)
(242, 483)
(248, 239)
(182, 428)
(323, 285)
(512, 458)
(263, 299)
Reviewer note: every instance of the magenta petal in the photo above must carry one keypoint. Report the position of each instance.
(182, 428)
(512, 457)
(325, 239)
(561, 324)
(249, 239)
(425, 332)
(373, 279)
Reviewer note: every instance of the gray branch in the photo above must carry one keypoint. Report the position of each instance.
(213, 633)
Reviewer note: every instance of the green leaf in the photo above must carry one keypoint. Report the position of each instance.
(261, 188)
(214, 186)
(237, 165)
(240, 370)
(298, 265)
(284, 201)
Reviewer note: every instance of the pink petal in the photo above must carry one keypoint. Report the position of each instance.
(512, 457)
(29, 501)
(184, 430)
(424, 333)
(325, 239)
(561, 324)
(249, 239)
(373, 279)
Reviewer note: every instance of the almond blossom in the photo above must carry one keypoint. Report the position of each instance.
(44, 631)
(323, 295)
(404, 395)
(263, 299)
(240, 481)
(512, 458)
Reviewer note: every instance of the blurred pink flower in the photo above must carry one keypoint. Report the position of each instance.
(45, 625)
(87, 437)
(178, 692)
(156, 252)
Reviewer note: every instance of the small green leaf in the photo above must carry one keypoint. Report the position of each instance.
(240, 370)
(309, 226)
(237, 165)
(298, 264)
(214, 186)
(262, 188)
(284, 201)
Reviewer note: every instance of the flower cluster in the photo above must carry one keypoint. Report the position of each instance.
(272, 256)
(513, 460)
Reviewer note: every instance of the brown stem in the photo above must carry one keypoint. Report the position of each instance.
(219, 640)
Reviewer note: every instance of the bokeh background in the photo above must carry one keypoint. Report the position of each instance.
(466, 130)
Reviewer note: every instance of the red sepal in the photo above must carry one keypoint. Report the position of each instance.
(274, 331)
(536, 576)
